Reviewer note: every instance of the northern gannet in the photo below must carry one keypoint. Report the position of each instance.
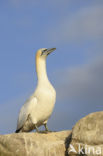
(38, 108)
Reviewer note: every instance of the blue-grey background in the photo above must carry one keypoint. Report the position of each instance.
(75, 28)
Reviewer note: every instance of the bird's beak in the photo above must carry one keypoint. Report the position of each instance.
(48, 51)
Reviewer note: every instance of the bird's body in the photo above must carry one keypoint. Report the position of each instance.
(38, 108)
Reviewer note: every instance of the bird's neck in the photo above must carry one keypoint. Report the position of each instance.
(41, 71)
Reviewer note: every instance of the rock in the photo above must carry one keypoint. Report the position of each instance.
(33, 144)
(87, 135)
(86, 138)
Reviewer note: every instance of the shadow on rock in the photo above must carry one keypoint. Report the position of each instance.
(67, 143)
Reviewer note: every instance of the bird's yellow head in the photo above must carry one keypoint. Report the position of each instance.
(44, 52)
(41, 56)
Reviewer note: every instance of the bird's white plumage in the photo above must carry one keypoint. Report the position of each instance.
(40, 105)
(26, 110)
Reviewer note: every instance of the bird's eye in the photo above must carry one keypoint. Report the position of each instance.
(44, 50)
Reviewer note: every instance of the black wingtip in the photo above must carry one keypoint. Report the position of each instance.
(18, 130)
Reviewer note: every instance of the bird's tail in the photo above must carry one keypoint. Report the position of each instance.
(18, 130)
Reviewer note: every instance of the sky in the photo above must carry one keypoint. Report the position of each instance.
(75, 69)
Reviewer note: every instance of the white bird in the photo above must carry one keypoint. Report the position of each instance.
(38, 108)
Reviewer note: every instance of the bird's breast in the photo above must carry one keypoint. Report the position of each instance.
(45, 92)
(46, 96)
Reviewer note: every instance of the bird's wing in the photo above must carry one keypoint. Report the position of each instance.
(25, 111)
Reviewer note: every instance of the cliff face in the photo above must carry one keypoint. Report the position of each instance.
(87, 135)
(86, 138)
(33, 144)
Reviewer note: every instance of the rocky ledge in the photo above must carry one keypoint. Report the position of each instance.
(86, 138)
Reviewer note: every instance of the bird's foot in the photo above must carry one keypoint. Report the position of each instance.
(45, 132)
(48, 131)
(42, 132)
(46, 128)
